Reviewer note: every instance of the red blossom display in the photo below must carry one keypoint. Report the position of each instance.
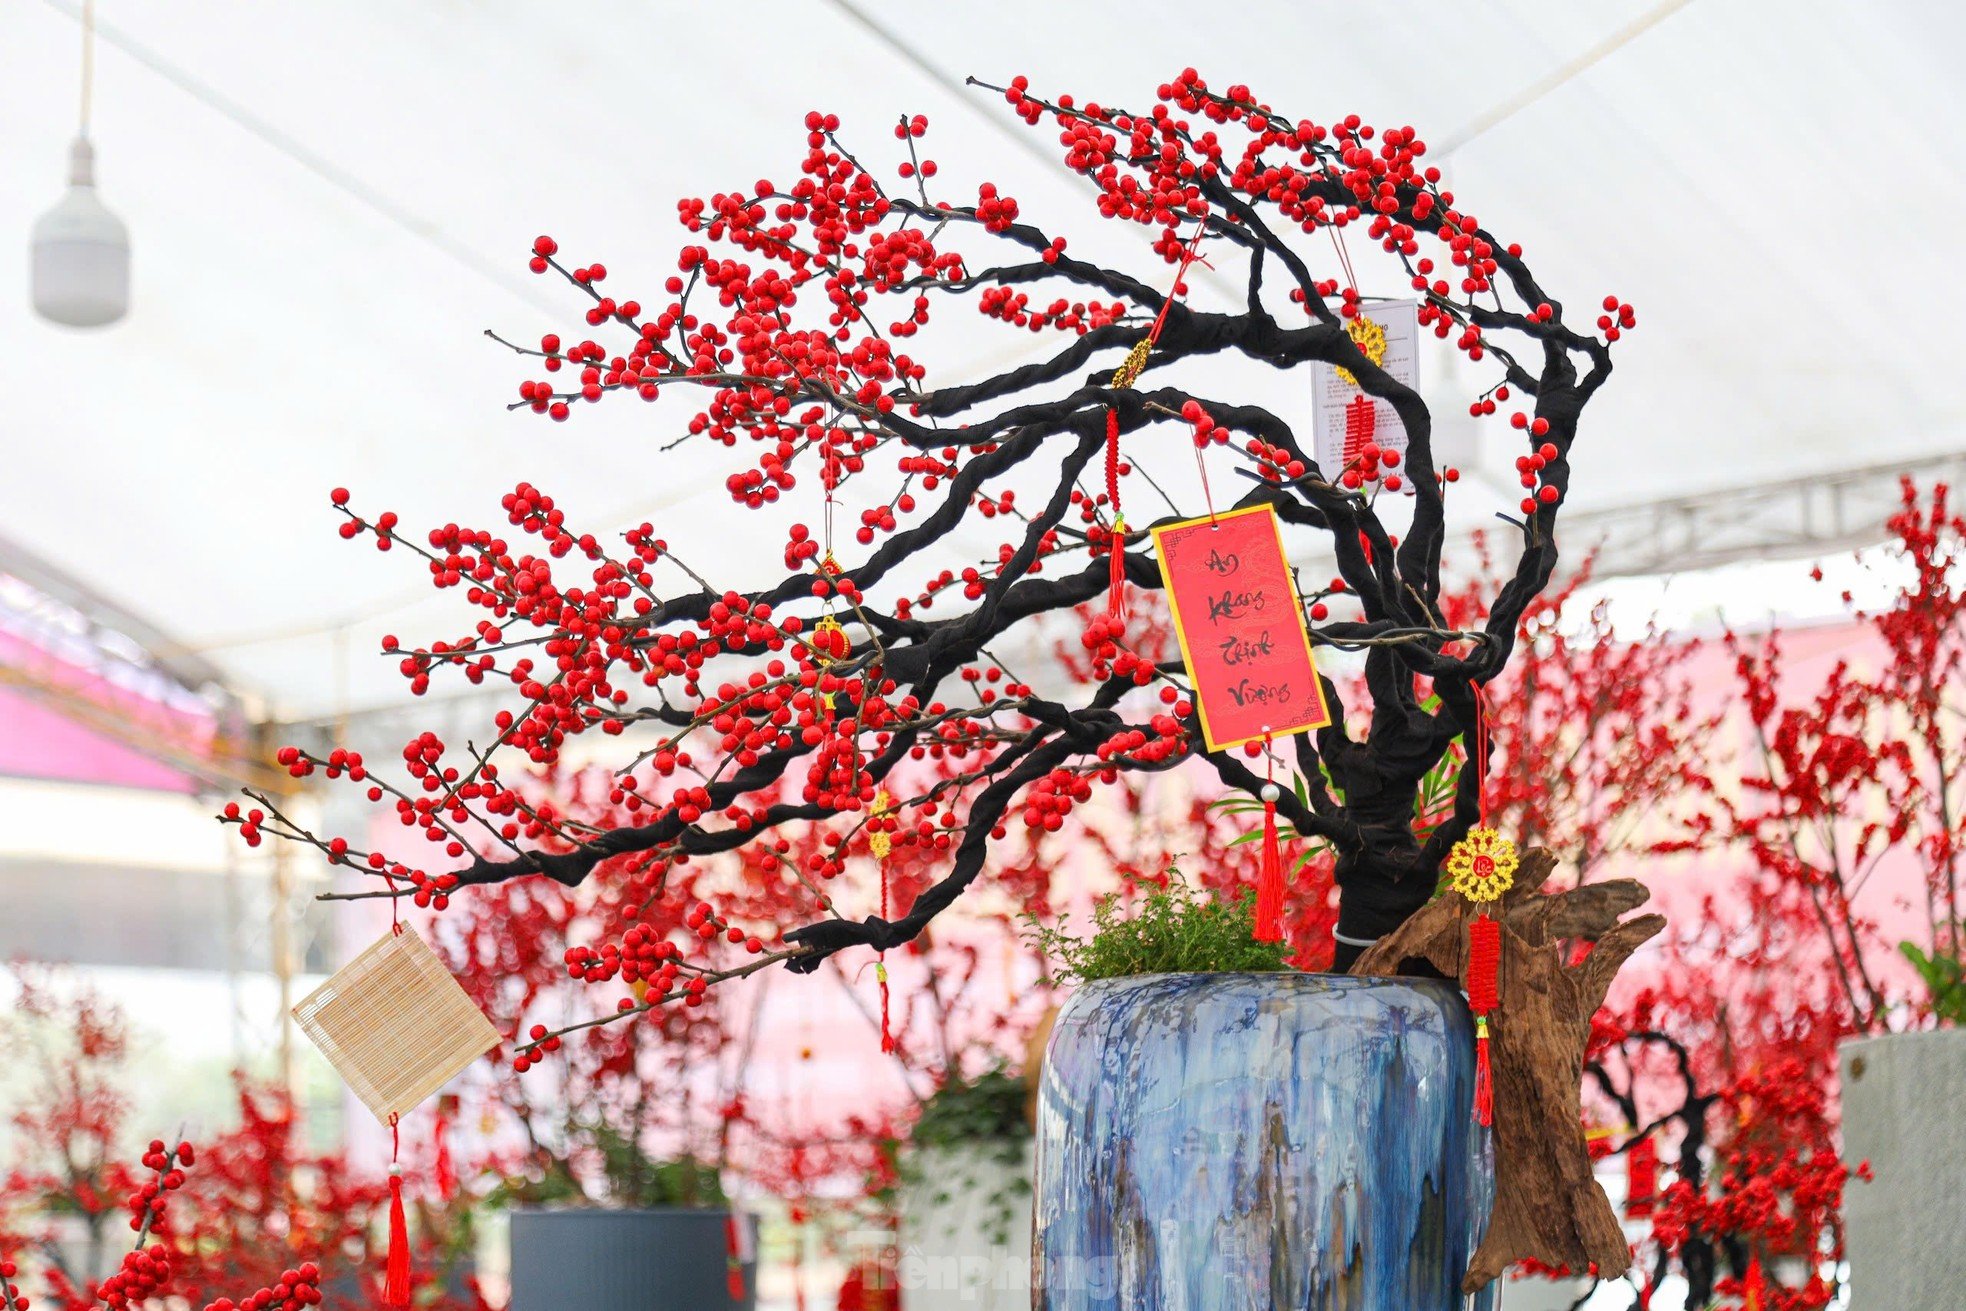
(248, 1208)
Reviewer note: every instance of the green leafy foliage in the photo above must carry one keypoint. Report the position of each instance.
(966, 1123)
(630, 1176)
(1177, 930)
(963, 1111)
(1945, 979)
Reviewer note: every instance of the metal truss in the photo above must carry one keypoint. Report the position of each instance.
(1797, 518)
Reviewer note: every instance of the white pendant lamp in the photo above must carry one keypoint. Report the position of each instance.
(81, 251)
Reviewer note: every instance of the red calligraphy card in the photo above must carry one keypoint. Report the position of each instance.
(1241, 627)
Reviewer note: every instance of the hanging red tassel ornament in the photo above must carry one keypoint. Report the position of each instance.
(1755, 1288)
(446, 1172)
(879, 843)
(733, 1258)
(1269, 880)
(396, 1279)
(1481, 867)
(1484, 995)
(1116, 587)
(1123, 378)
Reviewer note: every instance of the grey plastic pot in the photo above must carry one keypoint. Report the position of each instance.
(662, 1259)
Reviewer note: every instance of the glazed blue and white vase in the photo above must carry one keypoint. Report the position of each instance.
(1257, 1142)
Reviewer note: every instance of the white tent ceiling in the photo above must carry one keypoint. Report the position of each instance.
(329, 203)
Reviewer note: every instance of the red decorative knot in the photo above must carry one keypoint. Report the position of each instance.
(1484, 965)
(1482, 865)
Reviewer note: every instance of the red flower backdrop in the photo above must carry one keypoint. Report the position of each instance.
(1721, 1068)
(805, 346)
(250, 1208)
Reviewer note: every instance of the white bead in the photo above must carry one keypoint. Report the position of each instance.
(1270, 793)
(395, 1170)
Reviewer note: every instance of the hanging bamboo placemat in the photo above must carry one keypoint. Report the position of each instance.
(395, 1024)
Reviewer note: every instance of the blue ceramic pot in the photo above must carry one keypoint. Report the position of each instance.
(1255, 1142)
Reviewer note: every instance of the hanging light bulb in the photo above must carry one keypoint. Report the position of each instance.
(81, 251)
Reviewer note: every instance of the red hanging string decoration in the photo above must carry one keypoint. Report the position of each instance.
(1116, 549)
(396, 1279)
(1124, 377)
(733, 1258)
(1484, 961)
(1481, 867)
(444, 1170)
(1269, 879)
(879, 843)
(1755, 1289)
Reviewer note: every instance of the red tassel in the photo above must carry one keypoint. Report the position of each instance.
(1269, 882)
(733, 1259)
(1756, 1287)
(1484, 1083)
(887, 1031)
(396, 1286)
(1116, 590)
(1116, 550)
(446, 1172)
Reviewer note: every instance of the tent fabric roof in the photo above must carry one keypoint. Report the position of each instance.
(328, 205)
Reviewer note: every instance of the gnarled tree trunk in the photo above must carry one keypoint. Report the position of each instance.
(1547, 1204)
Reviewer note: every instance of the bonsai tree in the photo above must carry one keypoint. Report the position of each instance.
(798, 333)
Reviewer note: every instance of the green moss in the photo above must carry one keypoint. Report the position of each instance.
(1176, 930)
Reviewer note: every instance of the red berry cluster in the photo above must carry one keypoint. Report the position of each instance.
(144, 1274)
(146, 1271)
(297, 1288)
(1373, 465)
(1530, 469)
(1274, 463)
(249, 821)
(1318, 609)
(1487, 404)
(1050, 799)
(1617, 319)
(1076, 316)
(1206, 433)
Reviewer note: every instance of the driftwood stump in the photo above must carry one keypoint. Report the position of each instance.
(1547, 1205)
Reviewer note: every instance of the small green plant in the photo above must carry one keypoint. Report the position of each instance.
(1177, 930)
(1945, 979)
(964, 1123)
(625, 1175)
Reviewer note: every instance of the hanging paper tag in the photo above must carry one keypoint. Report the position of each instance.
(1241, 627)
(395, 1024)
(1343, 417)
